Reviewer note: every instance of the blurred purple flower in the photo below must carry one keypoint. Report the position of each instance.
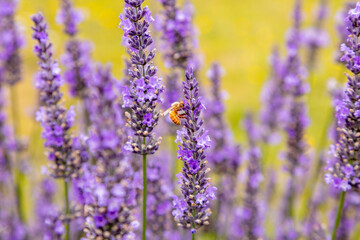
(249, 221)
(316, 37)
(69, 17)
(65, 155)
(178, 35)
(10, 42)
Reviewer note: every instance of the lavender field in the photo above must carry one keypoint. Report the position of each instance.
(179, 119)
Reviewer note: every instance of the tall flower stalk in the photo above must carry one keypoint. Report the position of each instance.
(63, 150)
(192, 211)
(315, 37)
(272, 98)
(296, 124)
(225, 156)
(77, 57)
(344, 174)
(143, 94)
(159, 200)
(248, 223)
(11, 68)
(178, 43)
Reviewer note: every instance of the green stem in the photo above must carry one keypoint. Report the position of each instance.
(338, 215)
(193, 236)
(144, 196)
(318, 164)
(67, 210)
(18, 175)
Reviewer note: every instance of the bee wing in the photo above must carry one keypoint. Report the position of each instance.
(166, 112)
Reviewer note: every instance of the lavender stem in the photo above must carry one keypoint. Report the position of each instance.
(318, 163)
(338, 215)
(18, 177)
(144, 197)
(67, 210)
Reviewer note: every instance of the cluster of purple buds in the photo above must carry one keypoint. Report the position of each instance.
(64, 151)
(177, 30)
(192, 211)
(345, 172)
(108, 191)
(79, 68)
(143, 94)
(10, 43)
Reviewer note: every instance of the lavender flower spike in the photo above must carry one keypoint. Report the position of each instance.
(345, 172)
(63, 150)
(69, 17)
(316, 37)
(10, 43)
(143, 95)
(177, 34)
(249, 223)
(77, 57)
(192, 211)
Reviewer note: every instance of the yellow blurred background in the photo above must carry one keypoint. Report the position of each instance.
(239, 34)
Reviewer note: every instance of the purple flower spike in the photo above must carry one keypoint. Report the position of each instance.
(178, 33)
(316, 36)
(343, 172)
(69, 17)
(341, 26)
(10, 43)
(249, 220)
(77, 57)
(225, 157)
(79, 71)
(272, 98)
(143, 94)
(65, 155)
(192, 211)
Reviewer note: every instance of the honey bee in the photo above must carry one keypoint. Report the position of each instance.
(176, 112)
